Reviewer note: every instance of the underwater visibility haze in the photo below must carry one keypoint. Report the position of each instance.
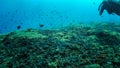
(50, 13)
(59, 34)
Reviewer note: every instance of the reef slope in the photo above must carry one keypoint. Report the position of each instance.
(96, 46)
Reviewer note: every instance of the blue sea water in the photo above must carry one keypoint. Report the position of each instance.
(50, 13)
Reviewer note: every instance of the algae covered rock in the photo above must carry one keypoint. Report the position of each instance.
(108, 37)
(62, 36)
(92, 66)
(23, 38)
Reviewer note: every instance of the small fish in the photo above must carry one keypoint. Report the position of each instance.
(5, 27)
(18, 27)
(41, 25)
(8, 12)
(21, 23)
(94, 3)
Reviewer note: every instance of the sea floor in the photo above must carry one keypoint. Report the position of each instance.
(74, 46)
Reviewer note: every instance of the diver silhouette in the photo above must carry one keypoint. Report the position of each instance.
(111, 6)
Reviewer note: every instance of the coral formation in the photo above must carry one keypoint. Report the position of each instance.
(70, 47)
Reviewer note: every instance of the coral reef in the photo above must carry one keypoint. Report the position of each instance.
(70, 47)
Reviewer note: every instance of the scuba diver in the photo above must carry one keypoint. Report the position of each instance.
(111, 6)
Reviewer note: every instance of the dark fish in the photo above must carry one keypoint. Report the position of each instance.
(41, 25)
(18, 27)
